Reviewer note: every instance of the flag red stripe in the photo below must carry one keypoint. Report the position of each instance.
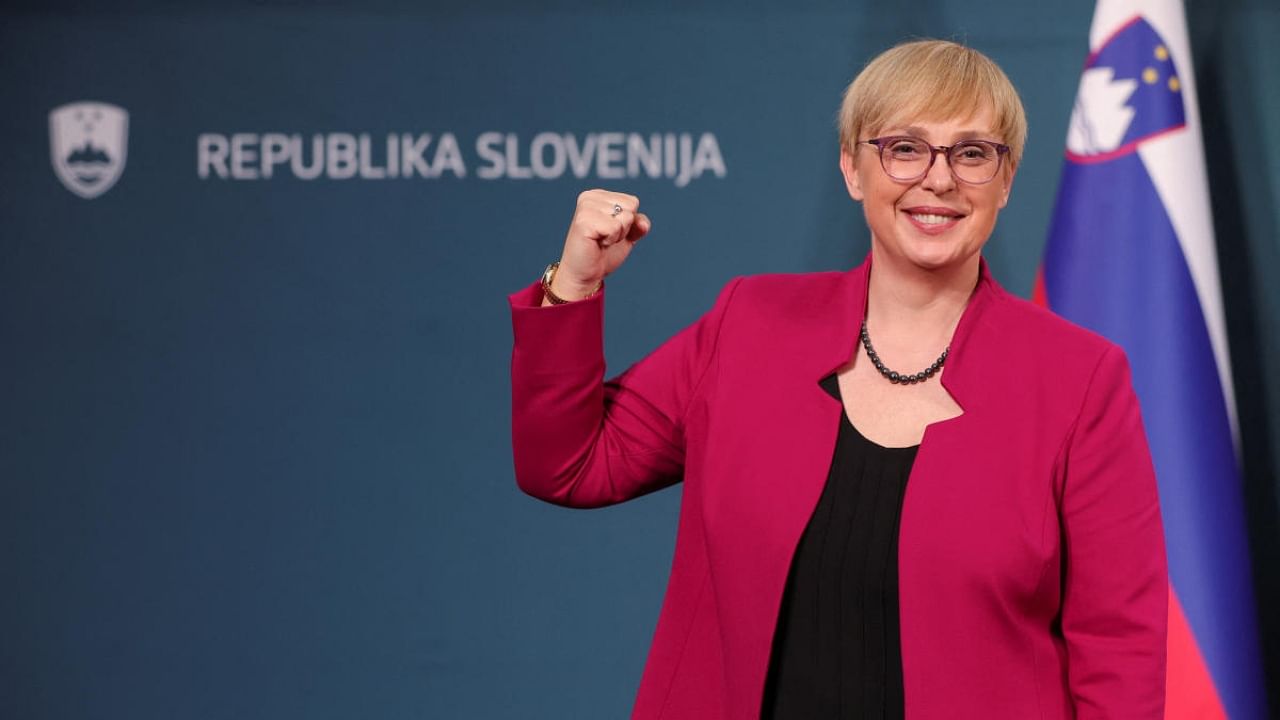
(1189, 692)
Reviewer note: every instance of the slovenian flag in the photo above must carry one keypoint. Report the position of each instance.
(1131, 256)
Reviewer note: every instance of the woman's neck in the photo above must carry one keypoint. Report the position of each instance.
(914, 307)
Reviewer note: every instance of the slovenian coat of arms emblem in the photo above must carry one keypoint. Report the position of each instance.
(88, 142)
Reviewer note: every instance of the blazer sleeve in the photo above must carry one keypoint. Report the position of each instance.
(579, 441)
(1116, 586)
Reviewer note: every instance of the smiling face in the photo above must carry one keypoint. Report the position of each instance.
(935, 222)
(941, 92)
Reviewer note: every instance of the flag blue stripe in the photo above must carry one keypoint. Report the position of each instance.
(1114, 264)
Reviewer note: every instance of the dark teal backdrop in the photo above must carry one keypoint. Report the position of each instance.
(254, 439)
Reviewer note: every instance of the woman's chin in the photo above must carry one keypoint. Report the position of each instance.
(931, 252)
(934, 255)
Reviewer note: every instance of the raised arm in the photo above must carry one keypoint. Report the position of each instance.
(582, 442)
(577, 440)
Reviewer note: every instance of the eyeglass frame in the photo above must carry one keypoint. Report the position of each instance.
(934, 151)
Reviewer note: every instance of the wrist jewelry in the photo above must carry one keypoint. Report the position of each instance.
(549, 274)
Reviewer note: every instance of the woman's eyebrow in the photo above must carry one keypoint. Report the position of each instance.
(920, 132)
(974, 134)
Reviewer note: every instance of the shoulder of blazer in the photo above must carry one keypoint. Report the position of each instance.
(802, 282)
(790, 298)
(1021, 331)
(803, 316)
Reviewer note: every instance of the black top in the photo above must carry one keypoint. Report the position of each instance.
(837, 652)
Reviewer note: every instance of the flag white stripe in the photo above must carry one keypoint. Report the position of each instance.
(1176, 165)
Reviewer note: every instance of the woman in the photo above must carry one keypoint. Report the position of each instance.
(906, 492)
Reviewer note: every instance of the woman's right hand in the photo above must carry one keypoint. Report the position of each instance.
(600, 238)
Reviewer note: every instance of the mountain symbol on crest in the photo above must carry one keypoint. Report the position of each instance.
(88, 155)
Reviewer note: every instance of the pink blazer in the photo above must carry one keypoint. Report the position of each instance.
(1031, 555)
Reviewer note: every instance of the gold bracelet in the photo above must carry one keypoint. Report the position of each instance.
(549, 274)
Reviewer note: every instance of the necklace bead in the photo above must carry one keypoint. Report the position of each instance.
(896, 377)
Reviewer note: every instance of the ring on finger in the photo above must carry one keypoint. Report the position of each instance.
(617, 210)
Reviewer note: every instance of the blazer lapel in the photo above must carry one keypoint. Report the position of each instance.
(780, 457)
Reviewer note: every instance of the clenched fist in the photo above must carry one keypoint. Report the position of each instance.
(604, 228)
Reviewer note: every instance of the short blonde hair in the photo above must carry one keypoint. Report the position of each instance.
(932, 80)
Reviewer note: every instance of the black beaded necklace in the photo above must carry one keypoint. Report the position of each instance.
(900, 378)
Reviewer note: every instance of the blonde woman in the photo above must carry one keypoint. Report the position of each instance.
(906, 492)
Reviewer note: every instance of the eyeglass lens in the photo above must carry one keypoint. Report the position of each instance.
(973, 161)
